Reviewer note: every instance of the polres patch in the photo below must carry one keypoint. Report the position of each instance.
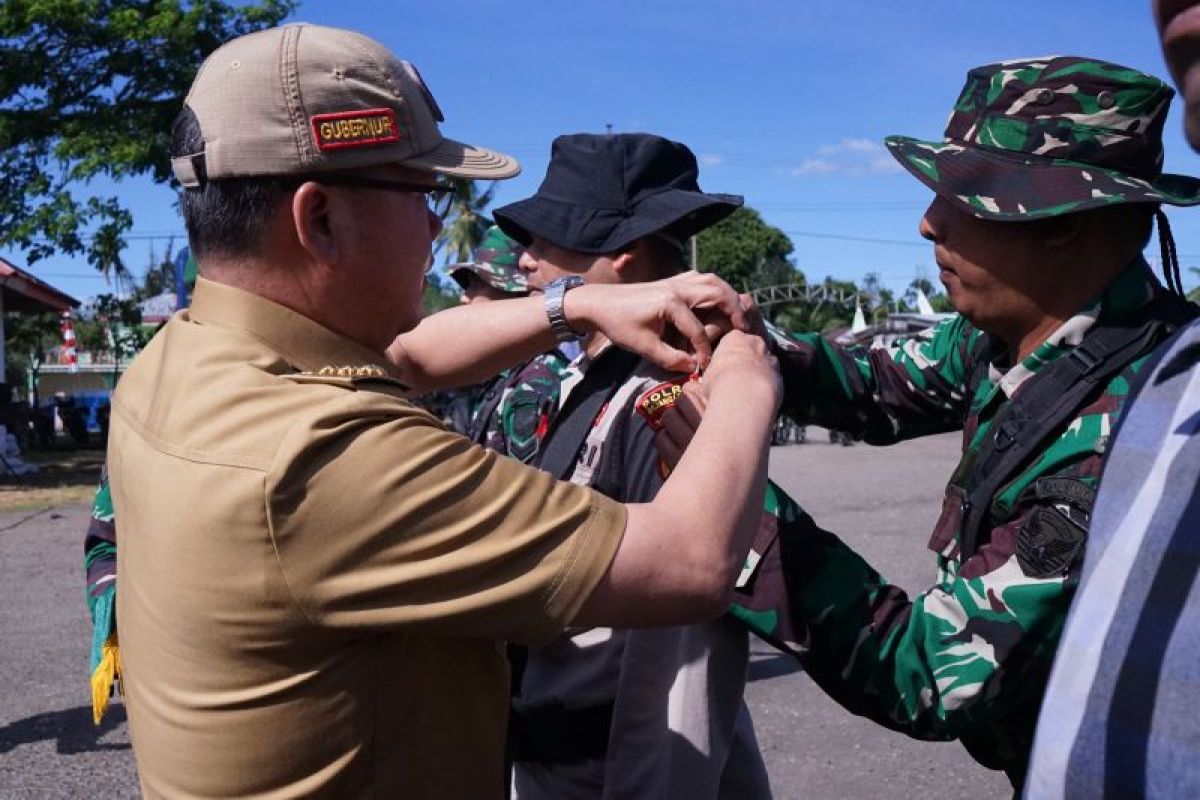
(654, 402)
(364, 128)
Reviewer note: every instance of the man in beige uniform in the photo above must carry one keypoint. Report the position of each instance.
(315, 575)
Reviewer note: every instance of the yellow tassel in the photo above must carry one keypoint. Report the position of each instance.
(107, 672)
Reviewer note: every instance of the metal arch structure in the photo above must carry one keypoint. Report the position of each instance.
(801, 292)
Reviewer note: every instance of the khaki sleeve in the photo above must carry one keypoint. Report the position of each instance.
(383, 518)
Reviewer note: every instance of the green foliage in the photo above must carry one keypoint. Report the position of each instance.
(114, 329)
(160, 273)
(937, 298)
(941, 303)
(826, 315)
(463, 221)
(438, 295)
(28, 339)
(90, 88)
(747, 252)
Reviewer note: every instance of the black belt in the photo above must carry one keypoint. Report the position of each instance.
(554, 733)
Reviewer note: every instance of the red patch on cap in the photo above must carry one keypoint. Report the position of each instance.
(364, 128)
(654, 402)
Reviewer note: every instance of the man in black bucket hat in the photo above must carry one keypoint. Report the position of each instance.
(624, 713)
(1046, 185)
(603, 193)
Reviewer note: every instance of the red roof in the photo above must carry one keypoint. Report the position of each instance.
(25, 292)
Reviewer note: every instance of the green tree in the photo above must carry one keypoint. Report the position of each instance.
(871, 292)
(437, 295)
(829, 309)
(1194, 294)
(28, 340)
(937, 298)
(113, 328)
(746, 251)
(159, 276)
(463, 221)
(90, 88)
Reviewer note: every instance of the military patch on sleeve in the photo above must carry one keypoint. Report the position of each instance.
(654, 402)
(364, 128)
(1049, 543)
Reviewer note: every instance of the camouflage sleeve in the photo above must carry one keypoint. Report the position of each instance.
(519, 422)
(100, 567)
(912, 388)
(950, 661)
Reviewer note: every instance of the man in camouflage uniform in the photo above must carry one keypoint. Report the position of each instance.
(100, 568)
(510, 413)
(1046, 183)
(604, 712)
(491, 275)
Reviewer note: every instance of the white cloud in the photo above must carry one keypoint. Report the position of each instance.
(711, 159)
(851, 146)
(816, 166)
(854, 157)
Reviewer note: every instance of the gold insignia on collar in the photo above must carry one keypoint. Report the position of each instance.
(348, 376)
(364, 371)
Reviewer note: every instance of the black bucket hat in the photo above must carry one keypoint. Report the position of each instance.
(604, 191)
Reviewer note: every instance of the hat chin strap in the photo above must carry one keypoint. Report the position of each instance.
(1170, 259)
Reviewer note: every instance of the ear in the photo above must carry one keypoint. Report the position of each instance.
(625, 260)
(1064, 231)
(314, 215)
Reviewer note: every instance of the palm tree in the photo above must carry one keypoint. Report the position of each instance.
(463, 221)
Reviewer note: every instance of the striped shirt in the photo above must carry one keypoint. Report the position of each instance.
(1121, 716)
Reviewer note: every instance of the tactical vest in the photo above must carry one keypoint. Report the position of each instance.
(1038, 414)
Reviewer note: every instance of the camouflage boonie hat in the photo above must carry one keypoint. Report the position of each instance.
(1040, 137)
(495, 264)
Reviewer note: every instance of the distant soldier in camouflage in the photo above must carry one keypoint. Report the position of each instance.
(1046, 186)
(511, 413)
(100, 567)
(491, 275)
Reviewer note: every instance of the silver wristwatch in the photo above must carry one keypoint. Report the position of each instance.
(554, 293)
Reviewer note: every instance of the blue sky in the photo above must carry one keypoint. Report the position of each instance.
(783, 102)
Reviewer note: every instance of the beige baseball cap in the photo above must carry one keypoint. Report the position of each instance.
(305, 98)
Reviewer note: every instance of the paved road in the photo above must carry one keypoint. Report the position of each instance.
(49, 748)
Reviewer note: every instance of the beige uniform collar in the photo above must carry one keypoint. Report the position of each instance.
(305, 344)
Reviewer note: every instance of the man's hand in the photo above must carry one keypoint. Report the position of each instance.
(642, 317)
(679, 424)
(742, 363)
(754, 320)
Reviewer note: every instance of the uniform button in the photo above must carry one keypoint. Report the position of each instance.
(1105, 100)
(1045, 97)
